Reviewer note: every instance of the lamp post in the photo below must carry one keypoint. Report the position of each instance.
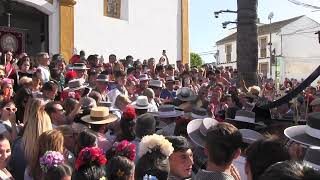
(270, 42)
(216, 13)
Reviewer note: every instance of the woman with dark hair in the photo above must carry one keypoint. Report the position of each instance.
(7, 61)
(120, 168)
(127, 123)
(21, 99)
(90, 165)
(86, 139)
(154, 153)
(5, 153)
(24, 64)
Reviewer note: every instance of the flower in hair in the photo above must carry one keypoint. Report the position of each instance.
(51, 159)
(149, 177)
(129, 113)
(91, 156)
(153, 142)
(126, 149)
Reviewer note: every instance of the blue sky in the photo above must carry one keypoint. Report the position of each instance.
(205, 29)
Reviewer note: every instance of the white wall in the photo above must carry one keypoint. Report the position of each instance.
(144, 30)
(301, 48)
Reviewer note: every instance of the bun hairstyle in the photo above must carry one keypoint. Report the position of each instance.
(90, 164)
(154, 153)
(127, 123)
(120, 168)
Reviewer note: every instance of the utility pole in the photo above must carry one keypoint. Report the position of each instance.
(270, 42)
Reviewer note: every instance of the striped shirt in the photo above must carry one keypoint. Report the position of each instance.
(212, 175)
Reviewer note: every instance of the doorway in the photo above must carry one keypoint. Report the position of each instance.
(31, 21)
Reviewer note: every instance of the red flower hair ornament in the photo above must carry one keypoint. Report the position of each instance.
(129, 113)
(90, 156)
(125, 149)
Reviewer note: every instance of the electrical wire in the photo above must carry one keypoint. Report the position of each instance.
(304, 4)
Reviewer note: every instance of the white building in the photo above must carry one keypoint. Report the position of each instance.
(294, 42)
(141, 28)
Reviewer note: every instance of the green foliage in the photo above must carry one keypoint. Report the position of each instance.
(195, 60)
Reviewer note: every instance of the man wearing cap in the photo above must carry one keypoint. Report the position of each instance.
(315, 105)
(102, 86)
(81, 70)
(181, 160)
(143, 83)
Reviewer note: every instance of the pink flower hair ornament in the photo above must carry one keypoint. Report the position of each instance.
(51, 159)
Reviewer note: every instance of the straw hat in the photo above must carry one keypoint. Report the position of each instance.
(155, 83)
(141, 103)
(79, 66)
(76, 84)
(99, 115)
(144, 77)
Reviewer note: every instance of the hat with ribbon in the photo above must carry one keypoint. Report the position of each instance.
(141, 103)
(103, 78)
(185, 94)
(155, 83)
(308, 134)
(99, 115)
(250, 136)
(168, 111)
(79, 66)
(197, 130)
(245, 117)
(170, 79)
(76, 84)
(144, 77)
(199, 113)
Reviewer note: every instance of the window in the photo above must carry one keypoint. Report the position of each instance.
(228, 52)
(112, 8)
(263, 47)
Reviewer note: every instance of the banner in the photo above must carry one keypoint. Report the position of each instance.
(12, 39)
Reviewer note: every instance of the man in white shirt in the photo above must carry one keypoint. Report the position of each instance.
(44, 62)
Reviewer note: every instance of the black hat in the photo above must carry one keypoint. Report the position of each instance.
(145, 125)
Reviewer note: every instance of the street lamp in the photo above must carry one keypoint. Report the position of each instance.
(216, 13)
(225, 24)
(270, 16)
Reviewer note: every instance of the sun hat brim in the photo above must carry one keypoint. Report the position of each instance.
(177, 114)
(298, 134)
(134, 104)
(194, 132)
(191, 98)
(255, 123)
(78, 88)
(79, 68)
(109, 119)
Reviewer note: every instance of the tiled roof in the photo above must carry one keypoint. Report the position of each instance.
(263, 29)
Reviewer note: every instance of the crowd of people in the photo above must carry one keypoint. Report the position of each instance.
(128, 119)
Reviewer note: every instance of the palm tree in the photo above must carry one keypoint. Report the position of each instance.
(247, 41)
